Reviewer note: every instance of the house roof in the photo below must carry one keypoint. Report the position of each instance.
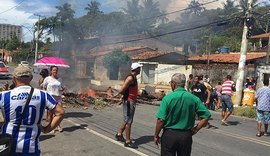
(148, 55)
(267, 35)
(129, 49)
(227, 58)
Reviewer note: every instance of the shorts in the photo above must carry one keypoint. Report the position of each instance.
(226, 101)
(128, 111)
(263, 116)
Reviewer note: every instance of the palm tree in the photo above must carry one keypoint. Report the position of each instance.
(195, 7)
(93, 8)
(133, 9)
(163, 18)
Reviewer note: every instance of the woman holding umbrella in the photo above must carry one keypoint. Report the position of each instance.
(53, 85)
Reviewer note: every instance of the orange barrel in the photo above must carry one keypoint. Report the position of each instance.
(249, 97)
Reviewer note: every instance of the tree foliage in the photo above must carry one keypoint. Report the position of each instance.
(115, 59)
(145, 17)
(13, 44)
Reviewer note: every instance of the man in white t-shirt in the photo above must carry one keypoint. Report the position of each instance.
(12, 102)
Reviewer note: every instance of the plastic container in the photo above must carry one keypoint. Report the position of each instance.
(224, 50)
(249, 97)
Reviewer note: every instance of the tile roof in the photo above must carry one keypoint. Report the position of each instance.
(148, 55)
(227, 57)
(129, 49)
(267, 35)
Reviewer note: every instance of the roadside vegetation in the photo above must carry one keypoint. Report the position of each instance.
(245, 111)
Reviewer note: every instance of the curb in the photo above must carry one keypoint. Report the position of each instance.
(241, 117)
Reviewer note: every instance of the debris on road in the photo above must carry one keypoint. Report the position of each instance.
(102, 99)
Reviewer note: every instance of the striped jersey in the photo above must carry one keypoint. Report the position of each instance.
(12, 104)
(227, 87)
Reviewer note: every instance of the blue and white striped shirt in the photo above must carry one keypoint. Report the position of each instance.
(12, 104)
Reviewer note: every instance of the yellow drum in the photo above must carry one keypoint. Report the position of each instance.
(249, 97)
(233, 97)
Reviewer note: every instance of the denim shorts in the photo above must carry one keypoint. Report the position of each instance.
(263, 116)
(128, 111)
(226, 101)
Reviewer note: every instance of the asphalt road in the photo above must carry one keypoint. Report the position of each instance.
(91, 132)
(88, 126)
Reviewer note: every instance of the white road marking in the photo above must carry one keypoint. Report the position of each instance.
(107, 138)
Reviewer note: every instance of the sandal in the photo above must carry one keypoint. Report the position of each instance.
(258, 135)
(265, 134)
(130, 145)
(119, 137)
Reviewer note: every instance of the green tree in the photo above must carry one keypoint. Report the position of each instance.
(113, 61)
(93, 8)
(13, 44)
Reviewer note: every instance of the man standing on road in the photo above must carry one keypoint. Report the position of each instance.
(176, 115)
(26, 141)
(200, 90)
(226, 100)
(130, 92)
(263, 107)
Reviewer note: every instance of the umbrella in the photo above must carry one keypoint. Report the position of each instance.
(51, 61)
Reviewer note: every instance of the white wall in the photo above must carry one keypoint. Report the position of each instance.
(164, 72)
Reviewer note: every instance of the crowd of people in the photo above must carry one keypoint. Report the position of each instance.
(190, 100)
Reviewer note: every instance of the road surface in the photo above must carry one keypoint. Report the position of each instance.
(91, 132)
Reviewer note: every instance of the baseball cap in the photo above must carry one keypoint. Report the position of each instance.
(22, 71)
(135, 66)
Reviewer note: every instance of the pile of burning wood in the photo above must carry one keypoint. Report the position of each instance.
(101, 99)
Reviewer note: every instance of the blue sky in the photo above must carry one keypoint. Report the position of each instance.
(23, 14)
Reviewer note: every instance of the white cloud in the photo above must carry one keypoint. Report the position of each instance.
(23, 14)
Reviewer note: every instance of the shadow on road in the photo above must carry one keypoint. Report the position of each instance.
(234, 123)
(144, 139)
(74, 128)
(45, 137)
(77, 115)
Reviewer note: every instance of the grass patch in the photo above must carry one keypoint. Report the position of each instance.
(246, 111)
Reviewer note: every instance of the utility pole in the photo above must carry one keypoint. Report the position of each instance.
(268, 51)
(208, 54)
(37, 38)
(242, 60)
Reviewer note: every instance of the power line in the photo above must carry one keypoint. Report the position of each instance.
(173, 32)
(12, 7)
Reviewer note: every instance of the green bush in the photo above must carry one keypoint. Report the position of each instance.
(246, 111)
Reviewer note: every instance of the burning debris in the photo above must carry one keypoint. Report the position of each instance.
(101, 99)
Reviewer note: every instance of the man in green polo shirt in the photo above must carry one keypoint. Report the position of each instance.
(176, 115)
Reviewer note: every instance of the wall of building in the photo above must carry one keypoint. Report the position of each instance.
(164, 72)
(8, 31)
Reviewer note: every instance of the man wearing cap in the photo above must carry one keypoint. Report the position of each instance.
(129, 91)
(176, 116)
(12, 102)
